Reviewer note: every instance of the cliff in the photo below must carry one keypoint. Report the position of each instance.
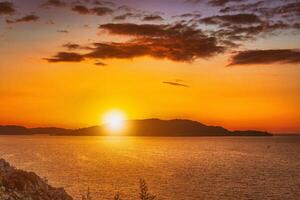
(17, 184)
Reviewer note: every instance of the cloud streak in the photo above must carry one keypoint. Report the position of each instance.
(251, 57)
(54, 3)
(65, 57)
(175, 84)
(27, 18)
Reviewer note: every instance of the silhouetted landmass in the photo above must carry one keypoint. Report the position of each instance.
(21, 130)
(14, 130)
(48, 130)
(146, 127)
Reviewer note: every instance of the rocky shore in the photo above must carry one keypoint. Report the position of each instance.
(17, 184)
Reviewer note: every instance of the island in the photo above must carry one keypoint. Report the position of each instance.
(144, 127)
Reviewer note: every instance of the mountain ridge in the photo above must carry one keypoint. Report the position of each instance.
(139, 127)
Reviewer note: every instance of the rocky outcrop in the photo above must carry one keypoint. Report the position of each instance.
(17, 184)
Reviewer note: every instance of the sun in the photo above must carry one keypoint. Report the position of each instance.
(114, 121)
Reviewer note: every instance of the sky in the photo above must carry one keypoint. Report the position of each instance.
(233, 63)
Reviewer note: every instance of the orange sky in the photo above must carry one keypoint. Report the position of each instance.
(35, 92)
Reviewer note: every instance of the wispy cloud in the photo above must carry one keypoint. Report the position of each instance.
(152, 18)
(172, 83)
(27, 18)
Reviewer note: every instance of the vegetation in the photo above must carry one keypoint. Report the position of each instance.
(144, 193)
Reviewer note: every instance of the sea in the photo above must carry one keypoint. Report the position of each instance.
(174, 168)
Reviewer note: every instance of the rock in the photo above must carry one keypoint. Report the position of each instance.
(17, 184)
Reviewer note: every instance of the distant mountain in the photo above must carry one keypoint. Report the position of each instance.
(48, 130)
(146, 127)
(21, 130)
(14, 130)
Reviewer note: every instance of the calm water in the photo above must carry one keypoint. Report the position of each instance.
(175, 168)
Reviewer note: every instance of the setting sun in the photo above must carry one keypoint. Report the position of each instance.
(114, 121)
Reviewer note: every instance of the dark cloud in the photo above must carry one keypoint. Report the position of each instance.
(250, 57)
(66, 57)
(81, 9)
(101, 2)
(242, 33)
(27, 18)
(189, 15)
(124, 16)
(222, 2)
(214, 2)
(72, 46)
(225, 20)
(175, 84)
(55, 3)
(233, 23)
(288, 10)
(136, 29)
(194, 1)
(152, 18)
(6, 8)
(158, 41)
(62, 31)
(100, 11)
(100, 64)
(248, 7)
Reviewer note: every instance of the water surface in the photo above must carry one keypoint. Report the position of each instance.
(175, 168)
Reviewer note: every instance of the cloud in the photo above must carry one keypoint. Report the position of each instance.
(213, 2)
(222, 2)
(104, 2)
(27, 18)
(100, 11)
(189, 15)
(71, 46)
(152, 18)
(54, 3)
(175, 84)
(250, 57)
(242, 33)
(7, 8)
(62, 31)
(287, 11)
(158, 41)
(146, 30)
(81, 9)
(248, 7)
(243, 18)
(124, 16)
(66, 57)
(100, 64)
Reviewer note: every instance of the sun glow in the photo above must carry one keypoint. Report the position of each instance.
(114, 121)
